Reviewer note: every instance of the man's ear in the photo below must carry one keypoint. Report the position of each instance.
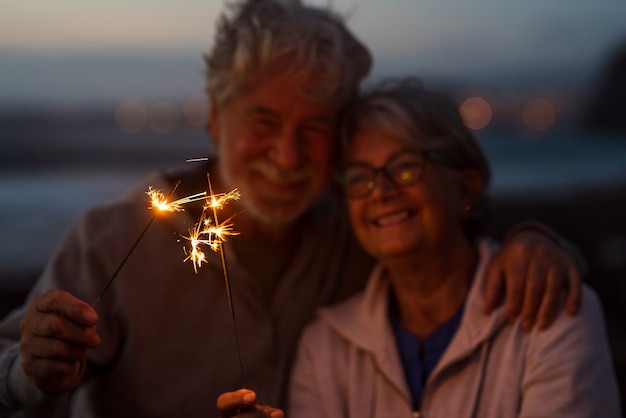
(213, 119)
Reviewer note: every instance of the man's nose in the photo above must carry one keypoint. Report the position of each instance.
(288, 150)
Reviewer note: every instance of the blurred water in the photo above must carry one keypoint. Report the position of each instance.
(37, 208)
(51, 172)
(46, 183)
(565, 163)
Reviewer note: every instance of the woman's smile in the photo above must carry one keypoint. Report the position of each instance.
(394, 218)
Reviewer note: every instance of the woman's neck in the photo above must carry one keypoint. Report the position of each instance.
(430, 288)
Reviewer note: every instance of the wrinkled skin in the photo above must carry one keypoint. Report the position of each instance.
(56, 333)
(531, 272)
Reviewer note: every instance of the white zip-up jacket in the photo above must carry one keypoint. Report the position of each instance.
(348, 364)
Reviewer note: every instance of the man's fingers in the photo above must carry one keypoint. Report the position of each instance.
(63, 303)
(53, 369)
(230, 403)
(55, 334)
(494, 289)
(549, 308)
(47, 348)
(574, 284)
(52, 376)
(51, 326)
(254, 413)
(60, 316)
(271, 412)
(556, 279)
(515, 292)
(533, 295)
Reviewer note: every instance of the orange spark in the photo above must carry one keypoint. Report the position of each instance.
(159, 201)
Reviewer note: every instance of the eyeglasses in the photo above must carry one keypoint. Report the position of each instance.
(404, 168)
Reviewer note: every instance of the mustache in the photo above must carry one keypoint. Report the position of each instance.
(278, 175)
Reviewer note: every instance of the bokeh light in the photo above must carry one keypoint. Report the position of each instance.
(475, 112)
(131, 116)
(163, 117)
(195, 110)
(539, 114)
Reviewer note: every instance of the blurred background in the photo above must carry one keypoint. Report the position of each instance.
(94, 95)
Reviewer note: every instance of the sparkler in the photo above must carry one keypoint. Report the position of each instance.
(159, 202)
(210, 232)
(215, 204)
(207, 231)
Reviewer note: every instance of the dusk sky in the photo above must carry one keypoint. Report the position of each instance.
(61, 57)
(87, 51)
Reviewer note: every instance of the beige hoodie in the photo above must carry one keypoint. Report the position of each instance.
(348, 365)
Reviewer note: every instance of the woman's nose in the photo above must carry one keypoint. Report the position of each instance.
(383, 184)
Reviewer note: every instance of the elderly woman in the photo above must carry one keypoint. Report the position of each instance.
(416, 342)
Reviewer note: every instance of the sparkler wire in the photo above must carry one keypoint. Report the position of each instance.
(231, 305)
(232, 314)
(127, 256)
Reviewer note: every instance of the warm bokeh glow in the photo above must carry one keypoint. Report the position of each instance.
(163, 117)
(131, 116)
(539, 114)
(476, 113)
(195, 110)
(160, 202)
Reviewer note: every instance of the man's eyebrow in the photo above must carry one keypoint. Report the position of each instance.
(259, 110)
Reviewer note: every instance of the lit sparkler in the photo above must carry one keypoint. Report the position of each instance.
(159, 202)
(208, 231)
(211, 232)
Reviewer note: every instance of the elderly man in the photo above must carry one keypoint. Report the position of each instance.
(160, 342)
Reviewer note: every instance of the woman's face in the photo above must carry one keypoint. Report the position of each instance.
(398, 220)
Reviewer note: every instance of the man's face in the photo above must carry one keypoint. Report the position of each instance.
(275, 144)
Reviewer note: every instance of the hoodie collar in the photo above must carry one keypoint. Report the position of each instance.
(364, 319)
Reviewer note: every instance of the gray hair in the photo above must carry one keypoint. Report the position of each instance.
(425, 119)
(259, 35)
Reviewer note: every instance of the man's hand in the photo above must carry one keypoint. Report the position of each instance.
(56, 332)
(533, 271)
(241, 404)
